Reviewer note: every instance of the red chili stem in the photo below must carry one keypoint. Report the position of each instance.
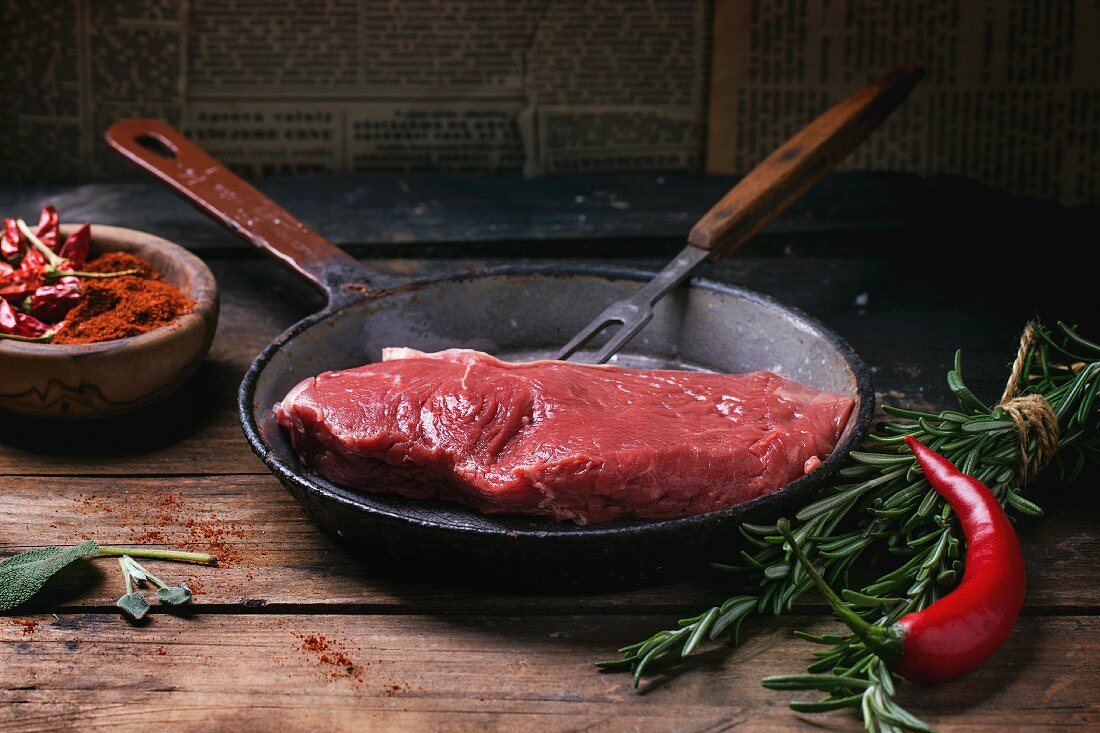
(49, 254)
(44, 338)
(884, 641)
(91, 275)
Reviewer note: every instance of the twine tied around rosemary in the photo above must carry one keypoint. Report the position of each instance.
(1031, 414)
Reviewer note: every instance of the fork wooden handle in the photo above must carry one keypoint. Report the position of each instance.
(777, 182)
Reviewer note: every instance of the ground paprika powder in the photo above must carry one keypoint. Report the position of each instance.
(51, 293)
(119, 307)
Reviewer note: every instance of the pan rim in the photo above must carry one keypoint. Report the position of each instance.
(855, 432)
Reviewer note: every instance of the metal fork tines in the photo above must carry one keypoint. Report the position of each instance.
(765, 192)
(633, 313)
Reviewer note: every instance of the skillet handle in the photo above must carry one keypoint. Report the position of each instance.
(189, 170)
(777, 182)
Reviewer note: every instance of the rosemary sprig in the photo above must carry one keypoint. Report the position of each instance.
(880, 513)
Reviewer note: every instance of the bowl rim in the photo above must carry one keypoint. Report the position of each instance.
(204, 293)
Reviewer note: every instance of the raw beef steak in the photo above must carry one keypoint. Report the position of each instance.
(570, 441)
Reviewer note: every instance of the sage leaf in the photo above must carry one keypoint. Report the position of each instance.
(174, 596)
(136, 571)
(134, 604)
(23, 575)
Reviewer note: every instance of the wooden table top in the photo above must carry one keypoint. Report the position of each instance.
(291, 633)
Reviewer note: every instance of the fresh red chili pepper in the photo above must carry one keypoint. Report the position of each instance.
(47, 227)
(51, 303)
(11, 241)
(961, 630)
(76, 247)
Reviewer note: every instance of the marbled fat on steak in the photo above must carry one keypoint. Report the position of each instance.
(569, 441)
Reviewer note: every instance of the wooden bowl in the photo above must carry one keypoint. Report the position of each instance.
(111, 377)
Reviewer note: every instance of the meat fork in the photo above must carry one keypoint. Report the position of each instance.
(768, 190)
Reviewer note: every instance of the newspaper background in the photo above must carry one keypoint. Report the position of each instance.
(1011, 97)
(296, 87)
(292, 87)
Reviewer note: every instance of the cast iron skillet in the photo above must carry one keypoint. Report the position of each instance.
(517, 313)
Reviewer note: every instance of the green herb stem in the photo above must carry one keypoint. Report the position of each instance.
(199, 558)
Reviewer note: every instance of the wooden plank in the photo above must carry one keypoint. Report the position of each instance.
(467, 673)
(416, 208)
(196, 430)
(274, 557)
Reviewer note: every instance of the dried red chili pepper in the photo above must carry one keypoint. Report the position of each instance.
(20, 282)
(31, 327)
(51, 303)
(16, 286)
(21, 325)
(49, 266)
(7, 318)
(11, 241)
(961, 630)
(47, 231)
(33, 265)
(47, 286)
(76, 247)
